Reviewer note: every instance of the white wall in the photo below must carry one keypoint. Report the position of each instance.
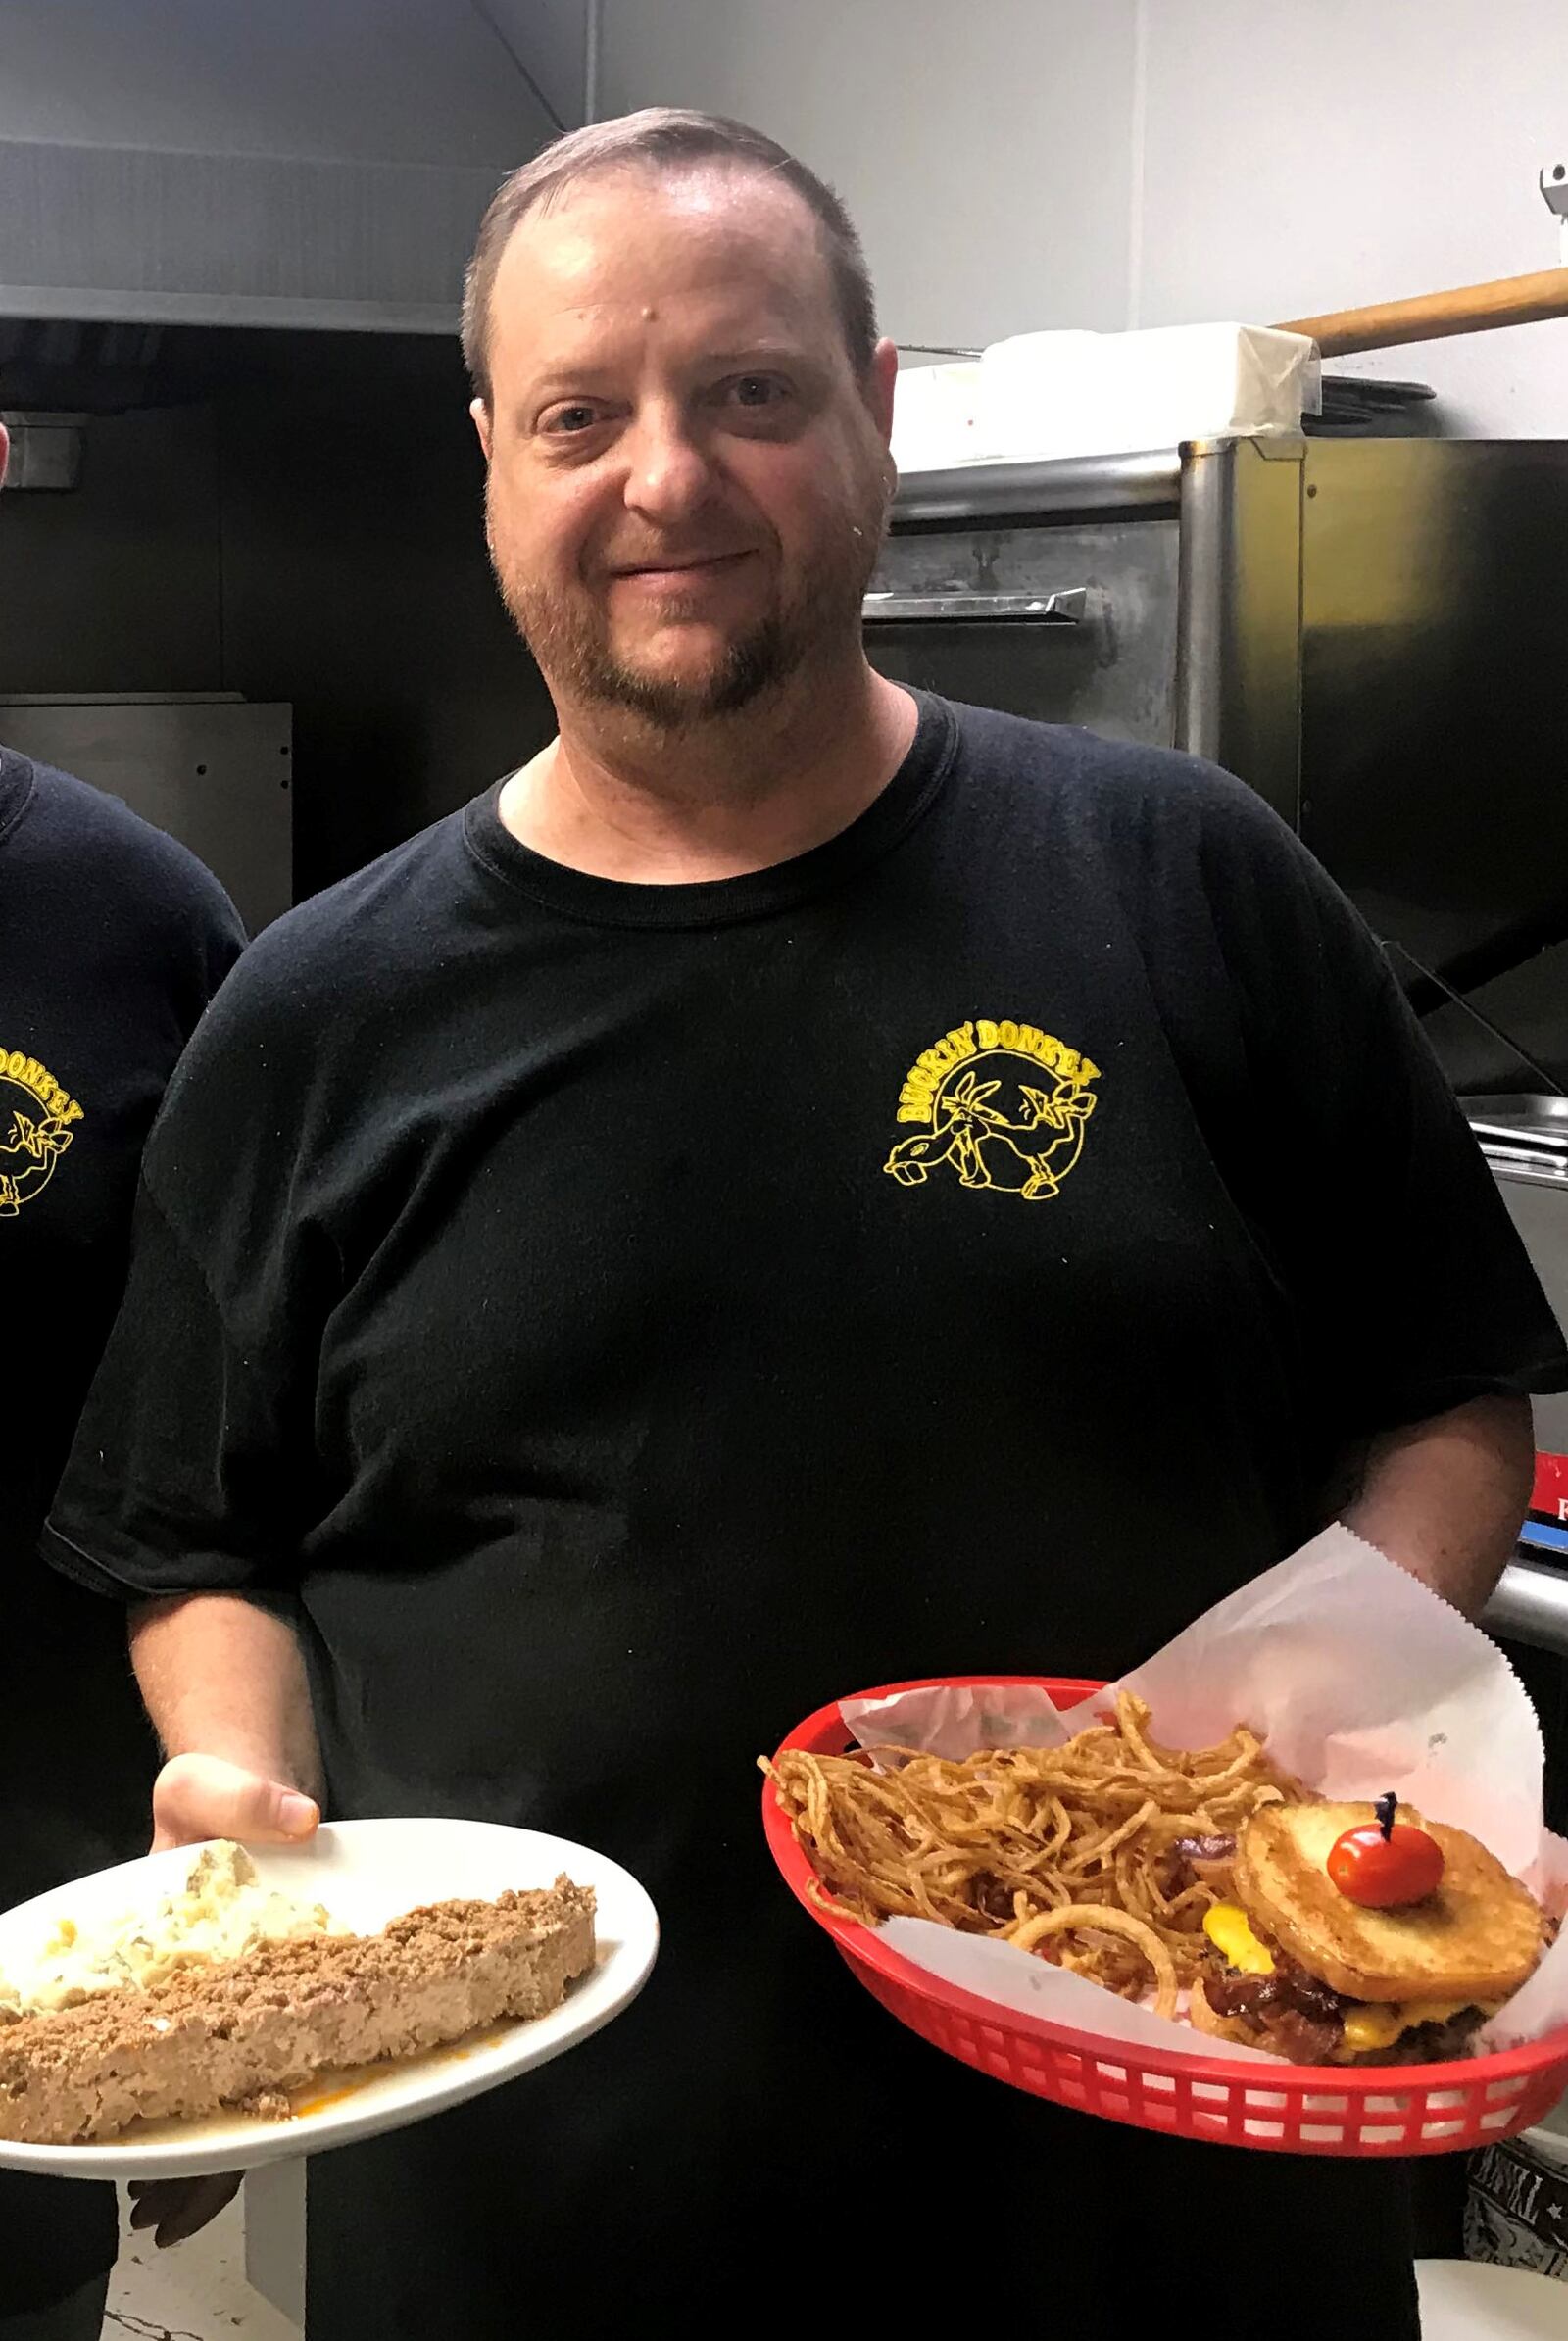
(1025, 163)
(983, 149)
(1311, 157)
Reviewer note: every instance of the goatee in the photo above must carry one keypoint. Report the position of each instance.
(569, 637)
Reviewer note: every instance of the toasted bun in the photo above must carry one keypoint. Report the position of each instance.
(1477, 1937)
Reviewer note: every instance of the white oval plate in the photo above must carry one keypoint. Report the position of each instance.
(366, 1871)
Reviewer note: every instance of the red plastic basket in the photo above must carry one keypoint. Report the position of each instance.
(1295, 2109)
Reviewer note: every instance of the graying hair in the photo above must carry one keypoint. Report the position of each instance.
(662, 138)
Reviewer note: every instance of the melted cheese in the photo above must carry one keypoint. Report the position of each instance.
(1228, 1930)
(1368, 2026)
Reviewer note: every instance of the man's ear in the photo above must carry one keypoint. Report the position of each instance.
(5, 453)
(880, 376)
(481, 423)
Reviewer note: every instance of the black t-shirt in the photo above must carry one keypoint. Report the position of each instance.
(113, 939)
(614, 1319)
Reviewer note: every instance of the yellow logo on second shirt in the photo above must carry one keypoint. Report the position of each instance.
(36, 1128)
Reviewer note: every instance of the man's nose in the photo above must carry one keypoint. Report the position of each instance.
(669, 475)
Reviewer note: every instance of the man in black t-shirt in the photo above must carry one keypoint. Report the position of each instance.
(113, 939)
(800, 1185)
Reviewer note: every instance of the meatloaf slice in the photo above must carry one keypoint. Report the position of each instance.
(241, 2030)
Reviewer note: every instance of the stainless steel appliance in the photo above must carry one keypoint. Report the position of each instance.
(1154, 596)
(212, 768)
(1368, 632)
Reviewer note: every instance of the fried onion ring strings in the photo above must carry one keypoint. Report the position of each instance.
(1008, 1838)
(1106, 1920)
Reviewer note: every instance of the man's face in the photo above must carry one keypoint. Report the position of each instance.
(688, 484)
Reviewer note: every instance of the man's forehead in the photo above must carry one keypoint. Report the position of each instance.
(616, 244)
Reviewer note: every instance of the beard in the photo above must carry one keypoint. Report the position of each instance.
(569, 634)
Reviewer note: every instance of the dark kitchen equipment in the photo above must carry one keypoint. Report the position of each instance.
(1362, 403)
(1367, 631)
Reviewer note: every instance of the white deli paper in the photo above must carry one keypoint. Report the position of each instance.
(1359, 1678)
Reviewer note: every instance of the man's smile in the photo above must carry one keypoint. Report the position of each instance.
(679, 574)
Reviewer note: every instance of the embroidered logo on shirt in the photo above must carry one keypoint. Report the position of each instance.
(36, 1128)
(1003, 1105)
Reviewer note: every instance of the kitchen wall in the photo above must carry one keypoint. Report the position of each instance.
(422, 82)
(118, 586)
(296, 516)
(985, 151)
(309, 162)
(1027, 163)
(1013, 163)
(281, 508)
(355, 587)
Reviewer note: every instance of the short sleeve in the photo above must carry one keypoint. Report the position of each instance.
(208, 937)
(1410, 1288)
(193, 1468)
(146, 897)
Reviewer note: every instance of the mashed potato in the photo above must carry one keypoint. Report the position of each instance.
(224, 1911)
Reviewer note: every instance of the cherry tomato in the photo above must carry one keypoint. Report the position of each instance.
(1382, 1872)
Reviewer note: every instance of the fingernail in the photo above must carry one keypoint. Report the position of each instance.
(296, 1813)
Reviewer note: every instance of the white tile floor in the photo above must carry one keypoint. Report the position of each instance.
(196, 2292)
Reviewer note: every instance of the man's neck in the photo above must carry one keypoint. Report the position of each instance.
(621, 799)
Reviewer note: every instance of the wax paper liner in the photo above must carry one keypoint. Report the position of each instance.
(1360, 1679)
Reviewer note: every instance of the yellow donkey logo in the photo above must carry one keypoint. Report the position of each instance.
(36, 1128)
(984, 1120)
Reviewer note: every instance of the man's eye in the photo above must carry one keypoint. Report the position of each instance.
(756, 390)
(577, 417)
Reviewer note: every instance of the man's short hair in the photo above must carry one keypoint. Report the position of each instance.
(662, 138)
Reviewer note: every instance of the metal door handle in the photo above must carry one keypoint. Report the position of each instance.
(1075, 606)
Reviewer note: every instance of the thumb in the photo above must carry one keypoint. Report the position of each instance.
(206, 1796)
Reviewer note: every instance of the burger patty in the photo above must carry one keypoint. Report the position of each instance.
(1429, 2043)
(1299, 2017)
(1295, 2014)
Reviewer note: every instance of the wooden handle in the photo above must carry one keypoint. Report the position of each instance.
(1431, 316)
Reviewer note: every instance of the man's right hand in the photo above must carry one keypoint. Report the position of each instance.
(197, 1797)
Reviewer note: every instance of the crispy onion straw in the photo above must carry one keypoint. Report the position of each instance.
(1098, 1917)
(1071, 1852)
